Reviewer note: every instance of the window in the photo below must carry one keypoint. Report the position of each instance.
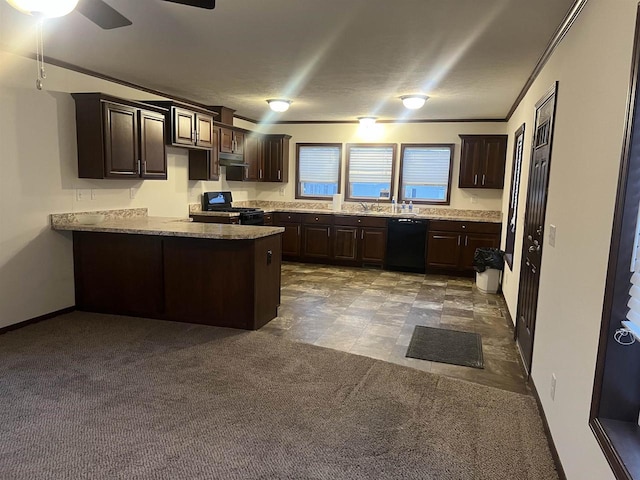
(616, 391)
(518, 147)
(318, 169)
(425, 173)
(370, 171)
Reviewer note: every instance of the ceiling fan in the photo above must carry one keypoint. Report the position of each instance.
(97, 11)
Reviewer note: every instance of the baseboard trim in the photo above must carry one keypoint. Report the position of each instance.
(547, 432)
(31, 321)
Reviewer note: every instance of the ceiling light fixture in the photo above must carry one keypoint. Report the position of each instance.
(413, 102)
(278, 104)
(367, 121)
(46, 8)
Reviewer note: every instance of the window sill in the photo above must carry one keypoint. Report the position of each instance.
(620, 442)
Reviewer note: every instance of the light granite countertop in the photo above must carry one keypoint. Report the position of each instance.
(163, 226)
(429, 214)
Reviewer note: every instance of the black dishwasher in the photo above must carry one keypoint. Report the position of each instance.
(406, 244)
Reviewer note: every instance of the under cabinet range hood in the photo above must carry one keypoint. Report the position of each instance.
(232, 159)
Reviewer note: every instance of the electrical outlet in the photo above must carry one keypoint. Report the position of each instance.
(552, 235)
(133, 192)
(93, 194)
(474, 199)
(282, 190)
(553, 386)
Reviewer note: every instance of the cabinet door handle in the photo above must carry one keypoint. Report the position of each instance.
(458, 240)
(139, 167)
(193, 136)
(144, 168)
(260, 174)
(466, 241)
(483, 176)
(278, 174)
(354, 234)
(298, 230)
(361, 234)
(328, 233)
(475, 179)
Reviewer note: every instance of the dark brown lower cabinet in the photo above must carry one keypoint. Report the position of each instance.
(373, 245)
(230, 283)
(451, 245)
(345, 243)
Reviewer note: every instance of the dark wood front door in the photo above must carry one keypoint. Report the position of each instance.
(533, 240)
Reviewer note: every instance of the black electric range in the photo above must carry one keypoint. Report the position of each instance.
(221, 202)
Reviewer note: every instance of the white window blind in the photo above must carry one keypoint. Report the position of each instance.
(633, 316)
(370, 164)
(426, 166)
(319, 164)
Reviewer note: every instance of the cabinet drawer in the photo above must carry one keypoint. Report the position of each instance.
(320, 219)
(286, 217)
(355, 221)
(457, 226)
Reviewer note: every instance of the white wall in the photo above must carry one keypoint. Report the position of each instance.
(480, 199)
(592, 65)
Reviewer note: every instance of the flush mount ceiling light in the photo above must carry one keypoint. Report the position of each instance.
(46, 8)
(367, 121)
(413, 102)
(278, 104)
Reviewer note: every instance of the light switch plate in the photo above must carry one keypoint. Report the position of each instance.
(552, 235)
(83, 194)
(132, 192)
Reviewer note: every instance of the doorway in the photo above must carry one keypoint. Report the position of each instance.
(533, 238)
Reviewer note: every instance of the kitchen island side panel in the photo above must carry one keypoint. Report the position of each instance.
(267, 264)
(226, 283)
(209, 281)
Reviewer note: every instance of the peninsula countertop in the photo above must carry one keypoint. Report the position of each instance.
(165, 226)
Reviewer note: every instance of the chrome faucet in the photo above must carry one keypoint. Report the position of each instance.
(365, 207)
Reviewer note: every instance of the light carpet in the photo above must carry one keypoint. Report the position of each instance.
(98, 396)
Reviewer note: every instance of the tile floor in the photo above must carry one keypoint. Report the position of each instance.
(373, 312)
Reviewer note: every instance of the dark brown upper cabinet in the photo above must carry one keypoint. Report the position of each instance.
(482, 161)
(231, 141)
(119, 138)
(266, 158)
(187, 125)
(205, 164)
(276, 158)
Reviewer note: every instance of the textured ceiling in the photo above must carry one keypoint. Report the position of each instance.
(336, 59)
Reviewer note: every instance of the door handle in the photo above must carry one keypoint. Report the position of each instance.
(278, 174)
(269, 256)
(139, 167)
(483, 177)
(466, 241)
(144, 167)
(458, 240)
(475, 179)
(361, 234)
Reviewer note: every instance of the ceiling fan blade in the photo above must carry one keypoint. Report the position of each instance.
(208, 4)
(102, 14)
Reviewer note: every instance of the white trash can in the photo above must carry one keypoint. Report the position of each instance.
(488, 281)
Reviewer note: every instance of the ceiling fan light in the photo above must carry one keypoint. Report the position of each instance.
(367, 121)
(278, 104)
(46, 8)
(413, 102)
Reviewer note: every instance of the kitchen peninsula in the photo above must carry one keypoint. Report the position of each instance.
(126, 262)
